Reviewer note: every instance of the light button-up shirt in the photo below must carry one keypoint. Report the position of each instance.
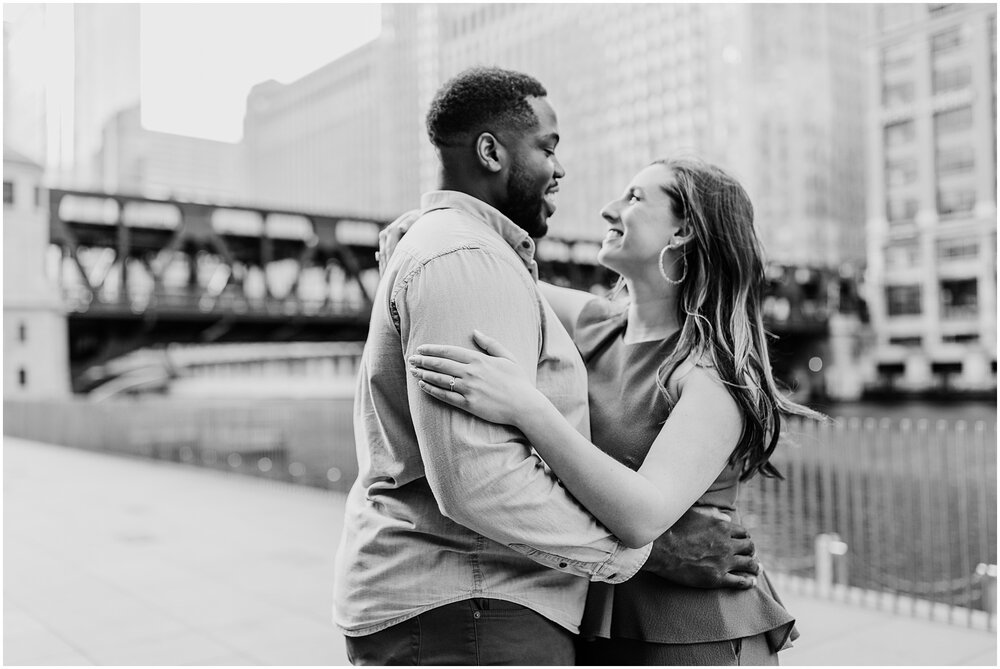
(446, 506)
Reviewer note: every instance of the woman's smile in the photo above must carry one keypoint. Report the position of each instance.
(613, 235)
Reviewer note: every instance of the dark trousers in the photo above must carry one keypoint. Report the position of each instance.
(752, 650)
(473, 631)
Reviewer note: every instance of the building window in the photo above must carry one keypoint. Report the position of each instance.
(897, 93)
(959, 298)
(957, 249)
(899, 134)
(22, 377)
(953, 120)
(891, 368)
(902, 256)
(900, 171)
(895, 15)
(951, 79)
(903, 300)
(901, 209)
(955, 200)
(8, 192)
(946, 368)
(906, 341)
(897, 77)
(22, 332)
(897, 57)
(955, 159)
(960, 339)
(947, 40)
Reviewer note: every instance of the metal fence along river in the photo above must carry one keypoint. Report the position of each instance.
(900, 511)
(905, 508)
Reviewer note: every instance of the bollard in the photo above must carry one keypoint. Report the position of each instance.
(831, 562)
(987, 575)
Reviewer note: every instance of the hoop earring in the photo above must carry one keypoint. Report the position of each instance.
(663, 271)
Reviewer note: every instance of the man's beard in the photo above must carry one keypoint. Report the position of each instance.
(524, 203)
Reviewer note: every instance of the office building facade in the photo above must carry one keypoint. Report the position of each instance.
(107, 79)
(135, 160)
(932, 212)
(734, 84)
(742, 86)
(332, 142)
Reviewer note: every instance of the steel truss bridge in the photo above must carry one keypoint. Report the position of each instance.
(137, 272)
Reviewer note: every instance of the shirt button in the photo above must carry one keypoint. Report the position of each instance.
(477, 615)
(562, 565)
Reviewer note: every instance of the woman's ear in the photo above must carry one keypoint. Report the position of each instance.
(682, 236)
(490, 153)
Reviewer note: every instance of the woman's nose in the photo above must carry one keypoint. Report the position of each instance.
(610, 211)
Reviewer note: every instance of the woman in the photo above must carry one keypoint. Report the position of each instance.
(683, 408)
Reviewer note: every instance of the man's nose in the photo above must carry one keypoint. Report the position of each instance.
(559, 172)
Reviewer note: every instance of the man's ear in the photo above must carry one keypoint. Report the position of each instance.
(490, 153)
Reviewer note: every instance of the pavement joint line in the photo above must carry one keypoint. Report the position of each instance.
(62, 639)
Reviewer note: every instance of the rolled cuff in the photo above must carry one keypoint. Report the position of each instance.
(621, 565)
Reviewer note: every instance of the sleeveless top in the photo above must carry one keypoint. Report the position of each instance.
(627, 411)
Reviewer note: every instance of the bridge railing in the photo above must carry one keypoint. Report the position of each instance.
(894, 513)
(79, 299)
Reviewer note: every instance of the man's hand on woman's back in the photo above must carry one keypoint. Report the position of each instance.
(705, 550)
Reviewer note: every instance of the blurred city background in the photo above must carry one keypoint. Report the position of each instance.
(193, 194)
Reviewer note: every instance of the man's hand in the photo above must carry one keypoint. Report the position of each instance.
(703, 550)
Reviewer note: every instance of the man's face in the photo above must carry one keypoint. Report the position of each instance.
(532, 181)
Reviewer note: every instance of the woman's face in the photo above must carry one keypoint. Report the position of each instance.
(641, 222)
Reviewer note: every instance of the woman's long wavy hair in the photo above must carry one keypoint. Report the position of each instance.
(719, 307)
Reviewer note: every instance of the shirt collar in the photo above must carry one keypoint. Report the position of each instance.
(517, 238)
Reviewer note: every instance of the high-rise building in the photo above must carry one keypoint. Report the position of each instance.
(775, 93)
(37, 88)
(321, 143)
(932, 216)
(750, 87)
(106, 78)
(133, 159)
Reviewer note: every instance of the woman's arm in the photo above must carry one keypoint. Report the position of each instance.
(566, 302)
(637, 506)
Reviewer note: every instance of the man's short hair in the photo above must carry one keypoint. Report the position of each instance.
(480, 99)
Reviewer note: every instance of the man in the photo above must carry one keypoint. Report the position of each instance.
(459, 546)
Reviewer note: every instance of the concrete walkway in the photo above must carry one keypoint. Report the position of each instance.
(117, 561)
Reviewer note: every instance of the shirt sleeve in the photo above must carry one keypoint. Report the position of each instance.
(483, 475)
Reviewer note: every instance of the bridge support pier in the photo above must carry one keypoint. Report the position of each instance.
(35, 342)
(845, 376)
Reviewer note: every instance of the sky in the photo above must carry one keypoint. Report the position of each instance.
(199, 61)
